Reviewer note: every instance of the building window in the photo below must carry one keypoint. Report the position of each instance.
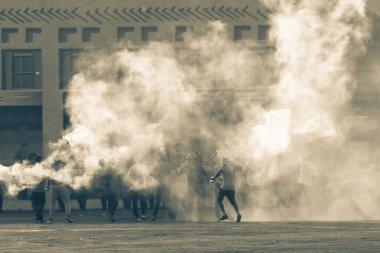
(69, 64)
(21, 118)
(263, 32)
(64, 34)
(88, 33)
(179, 32)
(31, 33)
(146, 32)
(6, 34)
(21, 69)
(122, 31)
(240, 30)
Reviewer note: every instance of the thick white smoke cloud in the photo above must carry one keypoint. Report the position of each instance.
(216, 96)
(317, 46)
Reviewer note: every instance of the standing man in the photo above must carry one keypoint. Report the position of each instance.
(3, 189)
(58, 189)
(108, 184)
(227, 189)
(38, 197)
(23, 152)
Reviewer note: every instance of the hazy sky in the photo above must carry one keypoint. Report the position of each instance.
(374, 5)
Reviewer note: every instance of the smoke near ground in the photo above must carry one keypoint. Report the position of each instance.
(280, 116)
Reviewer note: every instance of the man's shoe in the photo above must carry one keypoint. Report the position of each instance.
(224, 217)
(111, 218)
(138, 220)
(238, 218)
(37, 221)
(143, 217)
(69, 219)
(49, 221)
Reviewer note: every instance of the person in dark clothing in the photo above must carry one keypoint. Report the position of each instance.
(23, 153)
(127, 199)
(108, 184)
(82, 196)
(38, 196)
(2, 193)
(58, 189)
(138, 197)
(162, 192)
(196, 180)
(61, 204)
(162, 197)
(39, 199)
(227, 189)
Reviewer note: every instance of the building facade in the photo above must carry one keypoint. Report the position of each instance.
(41, 40)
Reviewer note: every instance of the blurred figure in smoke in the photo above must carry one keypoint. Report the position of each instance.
(162, 194)
(3, 189)
(32, 159)
(39, 197)
(177, 182)
(23, 152)
(59, 189)
(218, 183)
(109, 185)
(227, 189)
(127, 192)
(138, 197)
(82, 196)
(137, 194)
(141, 181)
(212, 163)
(196, 179)
(308, 175)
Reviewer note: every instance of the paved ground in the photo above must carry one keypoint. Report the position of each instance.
(92, 233)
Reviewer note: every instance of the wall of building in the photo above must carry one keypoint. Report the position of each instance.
(50, 26)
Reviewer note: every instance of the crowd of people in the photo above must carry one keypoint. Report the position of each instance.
(179, 182)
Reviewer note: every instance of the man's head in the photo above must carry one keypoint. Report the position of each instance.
(38, 159)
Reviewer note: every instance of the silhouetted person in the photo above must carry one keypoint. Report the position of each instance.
(127, 199)
(109, 185)
(61, 204)
(138, 197)
(58, 189)
(161, 192)
(23, 152)
(82, 196)
(227, 189)
(38, 196)
(2, 193)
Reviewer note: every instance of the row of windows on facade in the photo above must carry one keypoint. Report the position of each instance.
(22, 68)
(122, 33)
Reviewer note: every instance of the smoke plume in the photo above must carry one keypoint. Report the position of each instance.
(280, 117)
